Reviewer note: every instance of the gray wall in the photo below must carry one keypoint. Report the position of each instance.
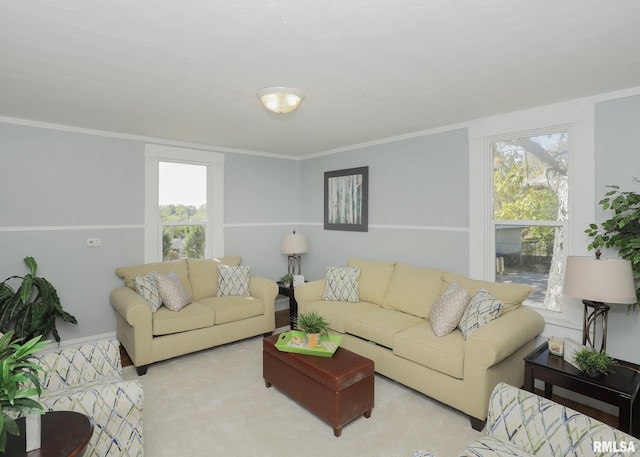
(60, 188)
(261, 206)
(617, 141)
(418, 205)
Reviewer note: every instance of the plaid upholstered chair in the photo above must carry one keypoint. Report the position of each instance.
(523, 424)
(88, 379)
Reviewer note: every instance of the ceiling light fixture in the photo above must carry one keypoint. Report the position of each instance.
(280, 100)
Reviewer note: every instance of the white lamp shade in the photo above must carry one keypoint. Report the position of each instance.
(280, 100)
(604, 280)
(294, 243)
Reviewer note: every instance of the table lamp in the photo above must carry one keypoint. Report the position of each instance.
(596, 282)
(293, 245)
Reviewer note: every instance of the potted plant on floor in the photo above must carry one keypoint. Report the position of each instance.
(594, 363)
(19, 382)
(314, 326)
(33, 307)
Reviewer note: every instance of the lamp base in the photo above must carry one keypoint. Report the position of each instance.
(592, 311)
(294, 264)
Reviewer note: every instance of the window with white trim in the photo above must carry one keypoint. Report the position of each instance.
(530, 212)
(183, 203)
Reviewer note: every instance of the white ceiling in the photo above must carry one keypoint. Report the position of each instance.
(188, 70)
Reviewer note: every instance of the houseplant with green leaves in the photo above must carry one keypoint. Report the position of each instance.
(19, 382)
(31, 309)
(314, 326)
(594, 363)
(621, 231)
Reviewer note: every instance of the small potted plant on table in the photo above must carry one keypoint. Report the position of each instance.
(314, 326)
(286, 280)
(594, 363)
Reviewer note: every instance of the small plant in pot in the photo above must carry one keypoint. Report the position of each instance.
(314, 326)
(19, 382)
(594, 363)
(286, 280)
(33, 307)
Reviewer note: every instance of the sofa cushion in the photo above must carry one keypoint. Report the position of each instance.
(193, 316)
(233, 280)
(341, 284)
(179, 267)
(336, 311)
(203, 274)
(234, 308)
(510, 294)
(413, 290)
(379, 325)
(174, 295)
(147, 288)
(482, 309)
(374, 279)
(420, 345)
(446, 312)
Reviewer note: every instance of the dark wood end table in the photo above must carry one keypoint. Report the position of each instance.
(619, 388)
(293, 304)
(63, 434)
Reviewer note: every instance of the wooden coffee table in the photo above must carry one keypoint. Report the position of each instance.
(337, 389)
(63, 434)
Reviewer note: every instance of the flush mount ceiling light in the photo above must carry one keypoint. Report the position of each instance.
(280, 100)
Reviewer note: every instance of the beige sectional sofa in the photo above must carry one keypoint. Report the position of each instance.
(390, 324)
(208, 321)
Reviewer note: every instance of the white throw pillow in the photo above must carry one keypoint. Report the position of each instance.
(148, 289)
(447, 310)
(233, 280)
(174, 295)
(342, 284)
(482, 309)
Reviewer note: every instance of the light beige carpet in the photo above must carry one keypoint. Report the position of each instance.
(215, 403)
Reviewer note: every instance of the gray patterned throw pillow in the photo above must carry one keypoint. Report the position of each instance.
(147, 289)
(342, 284)
(233, 280)
(174, 295)
(482, 309)
(447, 310)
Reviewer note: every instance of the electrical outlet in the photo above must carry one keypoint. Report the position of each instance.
(94, 242)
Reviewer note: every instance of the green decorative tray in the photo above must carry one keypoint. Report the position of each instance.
(327, 347)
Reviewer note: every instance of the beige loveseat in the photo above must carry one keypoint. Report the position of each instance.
(389, 324)
(208, 321)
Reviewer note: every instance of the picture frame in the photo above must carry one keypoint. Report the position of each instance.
(570, 349)
(346, 199)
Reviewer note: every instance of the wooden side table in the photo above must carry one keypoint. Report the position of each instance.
(619, 388)
(293, 304)
(63, 434)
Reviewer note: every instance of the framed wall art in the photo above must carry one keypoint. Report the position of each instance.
(346, 199)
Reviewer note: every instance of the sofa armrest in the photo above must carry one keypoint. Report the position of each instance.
(79, 365)
(542, 427)
(264, 289)
(309, 292)
(131, 306)
(497, 340)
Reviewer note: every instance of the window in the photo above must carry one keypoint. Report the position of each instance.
(530, 213)
(182, 208)
(183, 203)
